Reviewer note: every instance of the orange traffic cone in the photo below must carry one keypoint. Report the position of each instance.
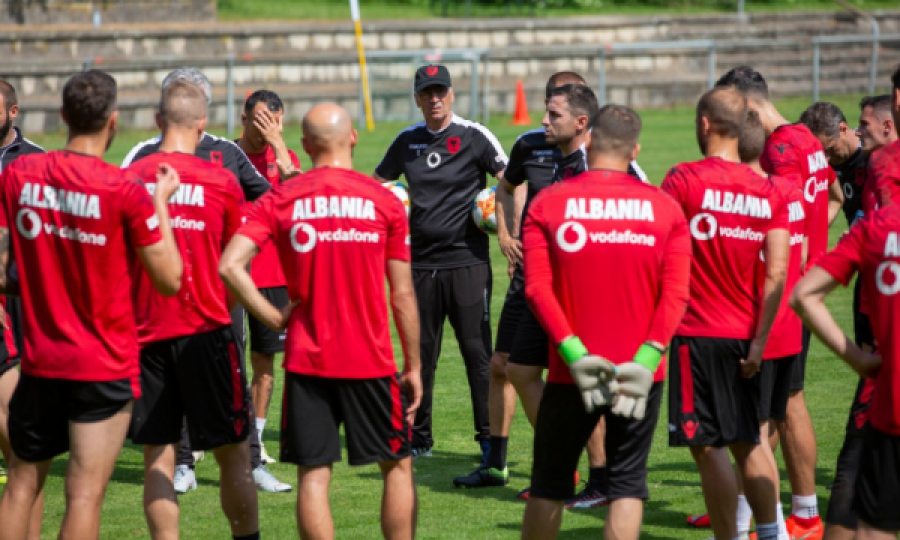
(520, 116)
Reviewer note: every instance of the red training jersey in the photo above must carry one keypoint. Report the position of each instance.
(872, 248)
(204, 213)
(784, 339)
(730, 209)
(266, 268)
(9, 340)
(334, 230)
(884, 174)
(573, 231)
(793, 152)
(75, 221)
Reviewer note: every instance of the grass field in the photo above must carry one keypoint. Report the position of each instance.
(445, 512)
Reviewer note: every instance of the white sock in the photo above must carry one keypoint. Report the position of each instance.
(805, 506)
(260, 426)
(767, 531)
(744, 515)
(782, 528)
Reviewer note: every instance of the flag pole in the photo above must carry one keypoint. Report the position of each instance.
(363, 72)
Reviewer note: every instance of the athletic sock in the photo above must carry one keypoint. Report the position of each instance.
(598, 477)
(782, 527)
(805, 507)
(744, 515)
(254, 536)
(767, 531)
(260, 426)
(497, 452)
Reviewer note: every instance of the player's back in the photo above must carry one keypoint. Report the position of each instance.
(75, 221)
(884, 174)
(204, 213)
(729, 209)
(607, 234)
(334, 230)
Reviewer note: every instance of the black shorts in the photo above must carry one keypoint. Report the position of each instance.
(862, 328)
(8, 363)
(263, 339)
(798, 377)
(196, 377)
(513, 307)
(775, 387)
(371, 410)
(877, 500)
(531, 346)
(710, 404)
(40, 411)
(563, 428)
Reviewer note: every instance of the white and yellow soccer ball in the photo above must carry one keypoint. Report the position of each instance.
(400, 191)
(484, 210)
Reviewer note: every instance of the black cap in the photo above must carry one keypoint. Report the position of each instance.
(432, 75)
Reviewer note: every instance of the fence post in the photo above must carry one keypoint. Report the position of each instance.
(711, 74)
(601, 77)
(876, 41)
(229, 107)
(486, 104)
(473, 107)
(815, 70)
(88, 64)
(361, 114)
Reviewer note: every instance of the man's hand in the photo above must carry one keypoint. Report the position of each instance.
(511, 249)
(167, 181)
(866, 364)
(592, 375)
(286, 315)
(269, 127)
(510, 270)
(287, 170)
(633, 383)
(411, 384)
(750, 366)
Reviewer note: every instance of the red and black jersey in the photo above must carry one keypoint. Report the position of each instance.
(872, 248)
(204, 213)
(335, 230)
(75, 222)
(852, 176)
(884, 174)
(794, 153)
(607, 259)
(266, 269)
(730, 209)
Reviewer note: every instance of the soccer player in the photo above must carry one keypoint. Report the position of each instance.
(628, 315)
(263, 143)
(446, 160)
(190, 365)
(880, 139)
(794, 153)
(230, 156)
(877, 126)
(77, 224)
(733, 214)
(338, 234)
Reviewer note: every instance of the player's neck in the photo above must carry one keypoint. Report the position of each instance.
(177, 140)
(771, 119)
(722, 148)
(245, 145)
(574, 144)
(92, 144)
(756, 168)
(608, 163)
(435, 125)
(10, 137)
(334, 160)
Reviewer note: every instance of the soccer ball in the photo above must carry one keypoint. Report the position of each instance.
(483, 210)
(400, 191)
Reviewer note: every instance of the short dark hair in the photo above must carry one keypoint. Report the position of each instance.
(579, 98)
(561, 78)
(823, 119)
(270, 98)
(726, 110)
(879, 104)
(615, 130)
(752, 139)
(746, 80)
(88, 100)
(9, 95)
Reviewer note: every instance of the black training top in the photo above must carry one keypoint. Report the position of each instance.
(852, 176)
(19, 147)
(445, 171)
(215, 150)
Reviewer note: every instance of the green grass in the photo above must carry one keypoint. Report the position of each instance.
(493, 513)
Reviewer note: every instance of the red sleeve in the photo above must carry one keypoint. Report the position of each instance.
(779, 158)
(539, 276)
(780, 214)
(140, 217)
(844, 260)
(398, 247)
(674, 282)
(674, 185)
(8, 338)
(234, 210)
(884, 178)
(295, 160)
(259, 224)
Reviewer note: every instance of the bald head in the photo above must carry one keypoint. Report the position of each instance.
(182, 104)
(327, 127)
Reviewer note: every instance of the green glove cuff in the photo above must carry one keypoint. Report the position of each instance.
(572, 350)
(649, 357)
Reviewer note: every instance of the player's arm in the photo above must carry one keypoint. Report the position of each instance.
(271, 129)
(506, 222)
(392, 165)
(835, 200)
(808, 300)
(233, 269)
(776, 248)
(406, 317)
(162, 260)
(8, 285)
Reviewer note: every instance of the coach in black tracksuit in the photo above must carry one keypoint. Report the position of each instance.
(446, 160)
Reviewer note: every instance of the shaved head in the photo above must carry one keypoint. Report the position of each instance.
(182, 104)
(327, 128)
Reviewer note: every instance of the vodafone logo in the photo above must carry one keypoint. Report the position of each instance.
(433, 160)
(884, 287)
(848, 190)
(297, 242)
(708, 224)
(580, 236)
(812, 187)
(28, 223)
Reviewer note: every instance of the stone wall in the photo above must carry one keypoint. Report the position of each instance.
(32, 12)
